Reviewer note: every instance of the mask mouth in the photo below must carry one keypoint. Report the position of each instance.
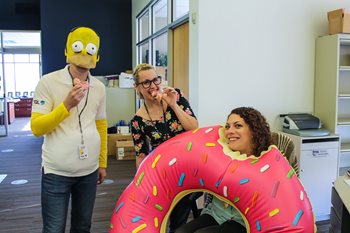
(84, 61)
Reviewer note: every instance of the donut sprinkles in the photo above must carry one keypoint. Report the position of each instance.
(265, 189)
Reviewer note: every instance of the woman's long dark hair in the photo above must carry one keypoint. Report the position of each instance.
(259, 127)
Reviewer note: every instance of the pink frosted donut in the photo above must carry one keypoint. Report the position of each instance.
(264, 190)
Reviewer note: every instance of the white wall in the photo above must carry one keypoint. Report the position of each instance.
(253, 53)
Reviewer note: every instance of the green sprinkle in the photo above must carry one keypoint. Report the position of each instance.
(290, 173)
(158, 207)
(140, 178)
(189, 145)
(254, 161)
(236, 199)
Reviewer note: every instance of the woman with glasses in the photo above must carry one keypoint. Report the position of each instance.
(164, 114)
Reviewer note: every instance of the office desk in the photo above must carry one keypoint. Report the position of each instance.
(340, 217)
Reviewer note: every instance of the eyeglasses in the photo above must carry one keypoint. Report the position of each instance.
(147, 83)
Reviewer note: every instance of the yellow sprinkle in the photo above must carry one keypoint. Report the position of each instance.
(274, 212)
(139, 228)
(155, 192)
(209, 144)
(155, 161)
(156, 223)
(195, 131)
(246, 211)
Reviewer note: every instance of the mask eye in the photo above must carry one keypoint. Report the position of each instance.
(91, 48)
(77, 46)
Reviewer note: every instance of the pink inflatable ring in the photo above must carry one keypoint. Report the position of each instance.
(265, 189)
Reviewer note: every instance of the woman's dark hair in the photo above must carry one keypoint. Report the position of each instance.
(259, 127)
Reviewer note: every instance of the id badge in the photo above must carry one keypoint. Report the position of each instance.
(83, 151)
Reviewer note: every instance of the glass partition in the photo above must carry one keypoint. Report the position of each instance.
(181, 8)
(160, 55)
(160, 15)
(144, 26)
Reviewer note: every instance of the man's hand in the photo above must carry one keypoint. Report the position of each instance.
(102, 173)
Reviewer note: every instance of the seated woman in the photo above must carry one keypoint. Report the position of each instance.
(248, 132)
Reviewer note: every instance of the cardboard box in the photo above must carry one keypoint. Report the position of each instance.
(125, 150)
(339, 21)
(113, 138)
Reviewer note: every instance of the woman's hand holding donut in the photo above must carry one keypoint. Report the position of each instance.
(170, 96)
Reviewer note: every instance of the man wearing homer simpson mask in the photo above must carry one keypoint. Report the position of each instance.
(69, 110)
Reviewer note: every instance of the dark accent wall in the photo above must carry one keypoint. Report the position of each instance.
(55, 18)
(19, 14)
(111, 19)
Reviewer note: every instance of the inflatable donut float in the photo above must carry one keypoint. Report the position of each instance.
(265, 189)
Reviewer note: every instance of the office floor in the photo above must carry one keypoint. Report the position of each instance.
(20, 203)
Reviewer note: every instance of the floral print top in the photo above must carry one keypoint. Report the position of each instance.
(147, 134)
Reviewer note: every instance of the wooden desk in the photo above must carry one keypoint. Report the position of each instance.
(340, 217)
(23, 108)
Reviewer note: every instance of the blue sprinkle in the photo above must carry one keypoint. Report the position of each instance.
(181, 180)
(119, 206)
(218, 183)
(201, 181)
(243, 181)
(297, 218)
(258, 225)
(137, 218)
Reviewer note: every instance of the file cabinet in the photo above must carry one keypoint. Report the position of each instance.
(319, 166)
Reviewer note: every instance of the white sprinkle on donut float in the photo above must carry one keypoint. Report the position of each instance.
(265, 189)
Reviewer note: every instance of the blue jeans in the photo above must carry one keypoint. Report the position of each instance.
(55, 194)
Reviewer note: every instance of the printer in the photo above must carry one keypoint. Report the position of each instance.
(304, 125)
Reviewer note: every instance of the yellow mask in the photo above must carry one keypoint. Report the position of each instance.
(82, 47)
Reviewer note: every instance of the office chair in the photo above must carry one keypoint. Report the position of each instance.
(25, 93)
(10, 94)
(17, 94)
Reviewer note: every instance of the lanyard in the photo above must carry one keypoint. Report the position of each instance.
(79, 113)
(164, 118)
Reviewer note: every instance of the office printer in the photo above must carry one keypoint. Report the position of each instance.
(305, 125)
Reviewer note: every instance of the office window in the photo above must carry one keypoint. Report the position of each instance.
(144, 26)
(160, 55)
(144, 53)
(160, 15)
(181, 8)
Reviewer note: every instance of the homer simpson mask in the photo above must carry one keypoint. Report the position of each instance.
(82, 47)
